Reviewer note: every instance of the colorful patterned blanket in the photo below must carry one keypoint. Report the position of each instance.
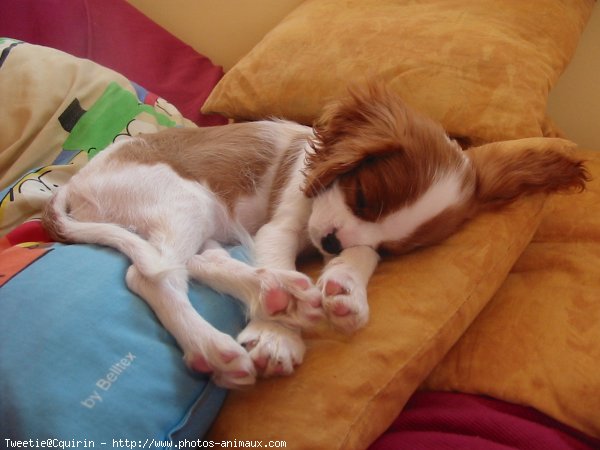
(54, 121)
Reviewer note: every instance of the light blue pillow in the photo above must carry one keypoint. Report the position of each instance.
(81, 357)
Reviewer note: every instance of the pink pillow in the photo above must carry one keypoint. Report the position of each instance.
(115, 34)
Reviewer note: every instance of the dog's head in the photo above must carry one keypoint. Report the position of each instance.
(385, 176)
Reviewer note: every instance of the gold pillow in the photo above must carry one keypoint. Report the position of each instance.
(537, 342)
(350, 388)
(482, 68)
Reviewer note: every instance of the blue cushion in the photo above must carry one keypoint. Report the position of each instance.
(81, 357)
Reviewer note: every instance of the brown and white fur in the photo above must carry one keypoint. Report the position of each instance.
(372, 176)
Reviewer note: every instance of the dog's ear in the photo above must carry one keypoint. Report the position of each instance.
(507, 170)
(361, 125)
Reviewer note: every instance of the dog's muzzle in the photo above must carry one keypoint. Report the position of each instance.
(331, 244)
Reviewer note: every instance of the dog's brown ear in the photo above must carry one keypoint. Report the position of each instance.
(321, 172)
(507, 170)
(360, 125)
(326, 165)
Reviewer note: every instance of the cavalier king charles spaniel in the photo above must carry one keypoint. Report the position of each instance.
(371, 177)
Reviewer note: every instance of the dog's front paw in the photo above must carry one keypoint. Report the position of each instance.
(289, 297)
(344, 299)
(274, 348)
(227, 361)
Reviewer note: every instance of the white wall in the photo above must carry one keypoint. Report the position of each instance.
(574, 103)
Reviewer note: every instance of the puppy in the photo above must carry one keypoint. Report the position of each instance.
(372, 176)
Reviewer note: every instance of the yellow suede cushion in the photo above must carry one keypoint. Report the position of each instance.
(482, 68)
(537, 342)
(350, 388)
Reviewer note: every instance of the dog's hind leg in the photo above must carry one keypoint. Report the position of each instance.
(205, 348)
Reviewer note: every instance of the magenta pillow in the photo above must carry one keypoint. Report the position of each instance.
(115, 34)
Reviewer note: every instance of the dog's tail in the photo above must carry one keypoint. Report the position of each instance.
(64, 228)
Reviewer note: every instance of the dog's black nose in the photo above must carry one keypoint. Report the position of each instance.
(331, 244)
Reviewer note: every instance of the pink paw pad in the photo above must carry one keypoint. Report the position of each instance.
(279, 370)
(334, 288)
(240, 374)
(261, 362)
(276, 300)
(199, 364)
(341, 310)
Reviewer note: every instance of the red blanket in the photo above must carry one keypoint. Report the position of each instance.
(116, 35)
(443, 420)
